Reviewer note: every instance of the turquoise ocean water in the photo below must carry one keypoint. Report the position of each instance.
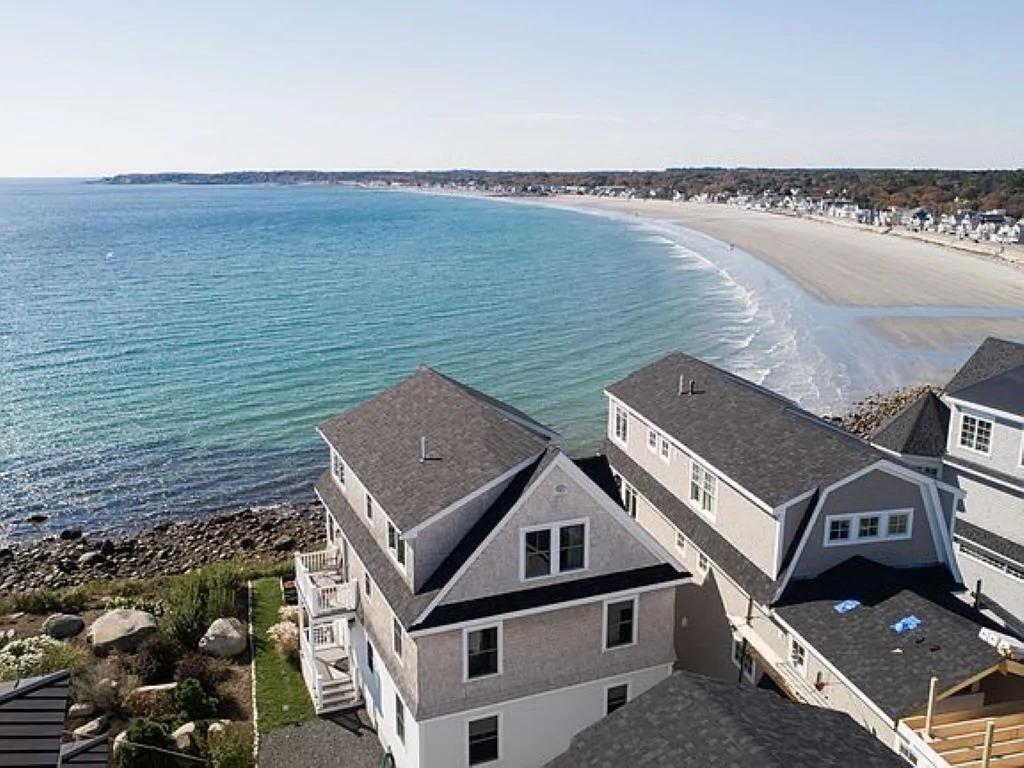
(169, 351)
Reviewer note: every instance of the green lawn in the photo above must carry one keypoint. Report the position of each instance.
(281, 695)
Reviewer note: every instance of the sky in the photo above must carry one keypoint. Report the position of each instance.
(97, 88)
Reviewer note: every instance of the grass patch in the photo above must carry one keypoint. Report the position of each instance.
(281, 695)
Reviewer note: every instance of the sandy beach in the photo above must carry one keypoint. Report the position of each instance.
(854, 268)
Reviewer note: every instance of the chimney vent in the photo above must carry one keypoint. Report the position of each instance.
(693, 387)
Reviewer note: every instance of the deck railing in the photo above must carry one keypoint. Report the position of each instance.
(328, 593)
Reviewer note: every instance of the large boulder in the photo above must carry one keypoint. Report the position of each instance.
(183, 736)
(90, 729)
(122, 629)
(225, 638)
(61, 626)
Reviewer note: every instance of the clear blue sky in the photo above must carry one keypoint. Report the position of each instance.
(91, 88)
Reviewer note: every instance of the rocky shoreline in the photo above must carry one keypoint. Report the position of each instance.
(74, 557)
(866, 416)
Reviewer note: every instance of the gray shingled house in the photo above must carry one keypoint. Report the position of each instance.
(481, 593)
(823, 566)
(973, 438)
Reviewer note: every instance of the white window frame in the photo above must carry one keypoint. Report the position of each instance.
(636, 623)
(398, 639)
(798, 649)
(629, 499)
(466, 631)
(628, 684)
(367, 586)
(854, 519)
(478, 718)
(337, 461)
(368, 506)
(400, 544)
(703, 563)
(695, 467)
(681, 543)
(618, 412)
(665, 450)
(652, 440)
(555, 530)
(978, 421)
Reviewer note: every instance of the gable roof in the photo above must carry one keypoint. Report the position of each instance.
(409, 606)
(471, 440)
(920, 429)
(91, 752)
(993, 357)
(32, 714)
(692, 721)
(1003, 391)
(890, 668)
(770, 446)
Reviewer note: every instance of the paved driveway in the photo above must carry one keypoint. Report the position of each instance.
(334, 741)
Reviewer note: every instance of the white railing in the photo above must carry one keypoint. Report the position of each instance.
(326, 593)
(315, 562)
(322, 636)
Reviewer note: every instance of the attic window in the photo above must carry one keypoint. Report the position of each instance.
(975, 434)
(553, 549)
(865, 527)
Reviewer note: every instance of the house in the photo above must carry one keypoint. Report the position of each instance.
(823, 566)
(484, 595)
(692, 721)
(974, 436)
(33, 712)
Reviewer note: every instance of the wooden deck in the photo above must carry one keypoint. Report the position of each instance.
(959, 737)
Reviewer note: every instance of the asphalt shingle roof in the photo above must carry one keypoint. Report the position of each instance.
(890, 668)
(920, 429)
(993, 357)
(764, 442)
(689, 721)
(1003, 391)
(471, 440)
(985, 538)
(32, 714)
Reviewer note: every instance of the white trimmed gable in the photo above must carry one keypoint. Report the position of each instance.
(561, 495)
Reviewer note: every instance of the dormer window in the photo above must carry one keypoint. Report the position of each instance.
(338, 469)
(861, 527)
(539, 543)
(976, 434)
(621, 425)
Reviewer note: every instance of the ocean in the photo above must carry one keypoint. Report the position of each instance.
(169, 351)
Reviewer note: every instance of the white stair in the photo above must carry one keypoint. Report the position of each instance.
(337, 694)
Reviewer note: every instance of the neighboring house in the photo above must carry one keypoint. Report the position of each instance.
(33, 712)
(485, 596)
(823, 565)
(691, 721)
(981, 452)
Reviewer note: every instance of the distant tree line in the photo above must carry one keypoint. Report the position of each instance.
(938, 190)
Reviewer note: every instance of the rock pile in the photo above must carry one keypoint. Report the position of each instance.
(73, 557)
(865, 417)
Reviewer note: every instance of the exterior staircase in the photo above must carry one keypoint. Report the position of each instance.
(337, 695)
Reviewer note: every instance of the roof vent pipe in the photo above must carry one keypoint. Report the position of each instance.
(693, 387)
(423, 449)
(681, 383)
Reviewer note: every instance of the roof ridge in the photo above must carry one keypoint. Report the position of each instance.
(33, 684)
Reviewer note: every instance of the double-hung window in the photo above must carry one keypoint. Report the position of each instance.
(621, 425)
(741, 658)
(396, 544)
(976, 433)
(369, 507)
(482, 651)
(483, 740)
(703, 488)
(652, 440)
(338, 468)
(554, 549)
(797, 655)
(619, 623)
(665, 450)
(629, 499)
(399, 719)
(397, 637)
(367, 585)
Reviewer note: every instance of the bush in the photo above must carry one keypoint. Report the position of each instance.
(199, 598)
(154, 606)
(231, 748)
(43, 602)
(145, 732)
(207, 670)
(39, 655)
(157, 659)
(193, 702)
(285, 637)
(107, 686)
(288, 613)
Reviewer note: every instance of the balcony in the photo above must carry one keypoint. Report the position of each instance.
(330, 675)
(323, 589)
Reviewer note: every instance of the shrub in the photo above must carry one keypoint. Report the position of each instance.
(157, 658)
(207, 670)
(285, 637)
(39, 655)
(107, 686)
(42, 602)
(146, 733)
(198, 598)
(231, 748)
(288, 613)
(193, 702)
(154, 606)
